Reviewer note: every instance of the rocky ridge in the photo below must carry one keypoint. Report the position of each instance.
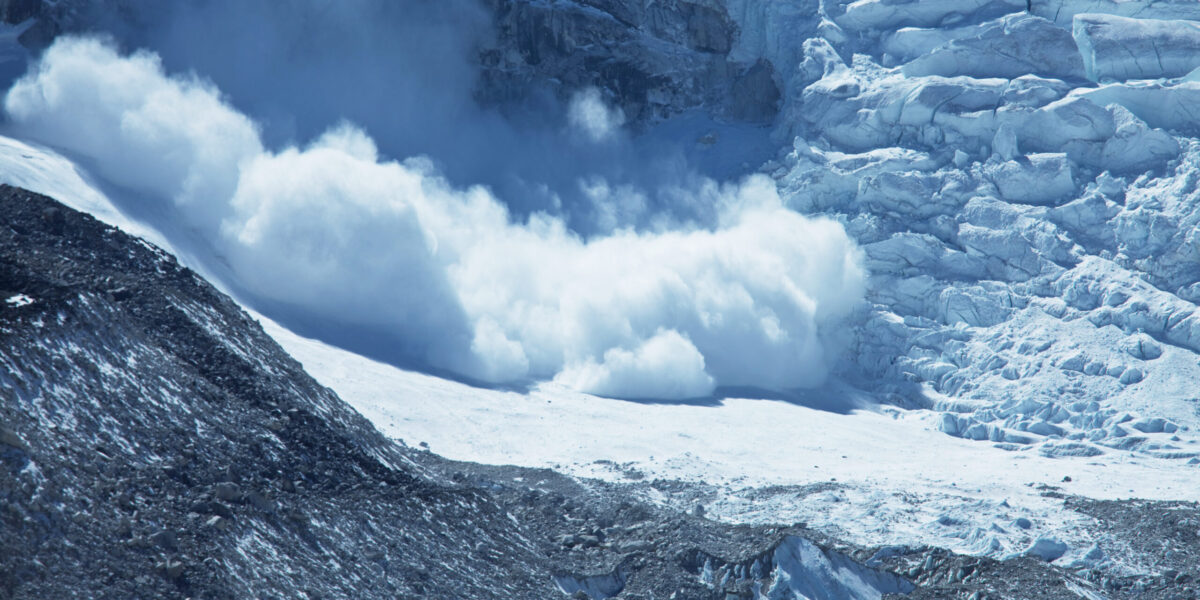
(157, 443)
(653, 60)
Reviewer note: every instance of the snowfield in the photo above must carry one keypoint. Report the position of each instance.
(883, 475)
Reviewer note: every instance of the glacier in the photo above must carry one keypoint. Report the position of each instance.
(1022, 224)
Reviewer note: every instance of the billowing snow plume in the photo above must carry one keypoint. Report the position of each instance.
(410, 73)
(590, 115)
(354, 237)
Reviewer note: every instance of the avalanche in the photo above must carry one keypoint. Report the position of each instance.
(1022, 188)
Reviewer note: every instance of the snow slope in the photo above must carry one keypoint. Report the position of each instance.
(876, 475)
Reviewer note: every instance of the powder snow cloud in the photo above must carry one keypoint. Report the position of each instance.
(350, 235)
(589, 115)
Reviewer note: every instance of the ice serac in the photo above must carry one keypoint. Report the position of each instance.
(1009, 47)
(1063, 12)
(1021, 223)
(1166, 104)
(1120, 48)
(883, 14)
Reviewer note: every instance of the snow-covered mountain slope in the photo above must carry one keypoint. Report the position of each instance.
(1023, 188)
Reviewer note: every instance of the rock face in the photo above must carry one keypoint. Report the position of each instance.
(45, 19)
(654, 59)
(16, 11)
(159, 444)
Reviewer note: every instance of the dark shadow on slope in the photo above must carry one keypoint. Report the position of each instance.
(370, 341)
(699, 401)
(834, 397)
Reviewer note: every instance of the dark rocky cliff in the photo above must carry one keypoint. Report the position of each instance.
(156, 443)
(653, 59)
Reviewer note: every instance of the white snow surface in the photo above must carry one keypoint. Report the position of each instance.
(877, 475)
(18, 301)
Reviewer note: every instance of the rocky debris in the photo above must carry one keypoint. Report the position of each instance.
(607, 543)
(645, 544)
(1158, 538)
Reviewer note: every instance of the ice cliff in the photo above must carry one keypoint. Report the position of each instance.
(1025, 188)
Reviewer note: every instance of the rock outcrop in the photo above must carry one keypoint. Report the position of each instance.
(653, 59)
